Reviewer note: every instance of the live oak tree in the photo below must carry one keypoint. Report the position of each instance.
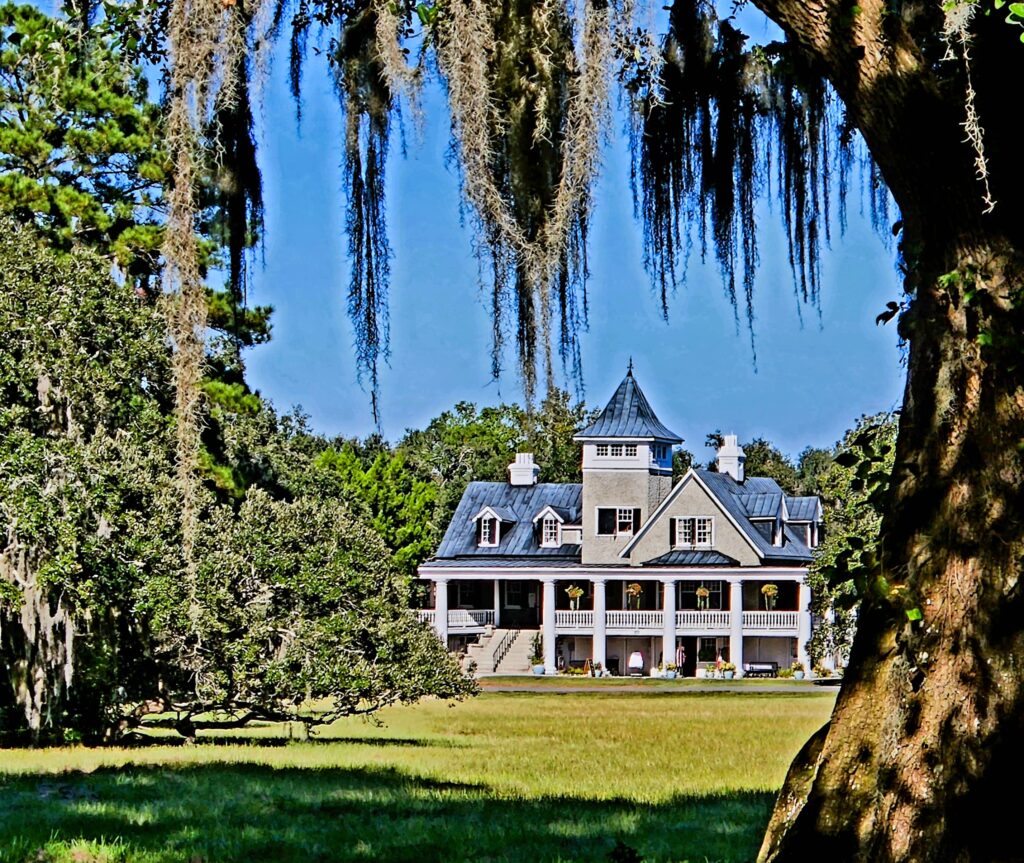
(297, 599)
(926, 734)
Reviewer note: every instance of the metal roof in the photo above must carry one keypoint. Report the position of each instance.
(692, 558)
(730, 495)
(518, 537)
(628, 415)
(802, 508)
(762, 504)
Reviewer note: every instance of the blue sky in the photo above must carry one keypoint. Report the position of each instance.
(813, 379)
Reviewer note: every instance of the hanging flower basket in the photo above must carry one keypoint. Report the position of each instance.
(633, 592)
(702, 598)
(575, 592)
(770, 592)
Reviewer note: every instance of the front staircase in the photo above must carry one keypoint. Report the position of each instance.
(504, 651)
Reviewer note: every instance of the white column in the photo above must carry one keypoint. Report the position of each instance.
(803, 626)
(668, 645)
(497, 603)
(548, 626)
(736, 625)
(600, 638)
(441, 609)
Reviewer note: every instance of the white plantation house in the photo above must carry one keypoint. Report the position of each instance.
(662, 569)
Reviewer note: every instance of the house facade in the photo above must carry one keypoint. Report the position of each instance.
(627, 569)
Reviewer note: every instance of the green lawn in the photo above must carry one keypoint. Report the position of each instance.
(510, 777)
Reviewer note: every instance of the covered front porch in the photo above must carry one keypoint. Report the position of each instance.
(600, 615)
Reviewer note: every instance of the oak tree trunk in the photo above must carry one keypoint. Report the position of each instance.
(924, 751)
(922, 758)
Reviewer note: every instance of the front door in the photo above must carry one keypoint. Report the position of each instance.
(520, 604)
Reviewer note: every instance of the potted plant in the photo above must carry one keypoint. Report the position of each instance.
(770, 592)
(575, 592)
(702, 598)
(537, 654)
(798, 670)
(728, 670)
(669, 672)
(709, 671)
(633, 591)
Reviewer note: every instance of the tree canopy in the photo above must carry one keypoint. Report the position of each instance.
(925, 737)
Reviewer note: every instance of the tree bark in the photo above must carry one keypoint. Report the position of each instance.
(924, 749)
(927, 737)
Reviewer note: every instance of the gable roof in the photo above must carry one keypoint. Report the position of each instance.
(628, 414)
(502, 513)
(733, 498)
(518, 538)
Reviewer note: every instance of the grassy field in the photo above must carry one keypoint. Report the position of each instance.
(503, 777)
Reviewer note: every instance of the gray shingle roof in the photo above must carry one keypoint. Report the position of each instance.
(628, 415)
(692, 558)
(801, 508)
(518, 538)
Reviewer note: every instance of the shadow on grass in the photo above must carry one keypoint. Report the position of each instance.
(259, 813)
(143, 740)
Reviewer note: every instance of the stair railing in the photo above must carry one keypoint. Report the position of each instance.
(504, 646)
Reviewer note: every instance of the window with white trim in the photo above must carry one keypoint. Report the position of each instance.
(550, 533)
(602, 450)
(615, 450)
(488, 531)
(694, 532)
(617, 520)
(630, 450)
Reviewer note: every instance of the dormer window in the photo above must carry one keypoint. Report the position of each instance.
(550, 533)
(696, 532)
(488, 531)
(488, 524)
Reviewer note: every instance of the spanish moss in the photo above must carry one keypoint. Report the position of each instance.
(731, 126)
(366, 100)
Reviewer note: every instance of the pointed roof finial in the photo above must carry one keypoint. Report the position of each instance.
(629, 370)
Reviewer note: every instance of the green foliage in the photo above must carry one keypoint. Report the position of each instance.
(811, 468)
(84, 482)
(298, 600)
(80, 149)
(845, 564)
(400, 506)
(766, 459)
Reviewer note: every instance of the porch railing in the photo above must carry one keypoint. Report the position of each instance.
(460, 617)
(771, 620)
(653, 620)
(702, 621)
(574, 619)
